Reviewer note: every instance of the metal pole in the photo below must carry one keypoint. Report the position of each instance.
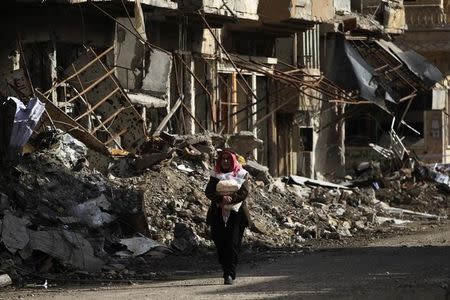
(253, 111)
(192, 96)
(234, 102)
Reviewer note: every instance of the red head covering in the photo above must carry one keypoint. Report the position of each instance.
(236, 166)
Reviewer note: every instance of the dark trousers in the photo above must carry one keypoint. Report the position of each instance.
(228, 240)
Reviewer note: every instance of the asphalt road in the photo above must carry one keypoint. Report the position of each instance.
(403, 267)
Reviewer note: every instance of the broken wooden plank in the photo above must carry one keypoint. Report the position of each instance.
(107, 98)
(169, 116)
(115, 136)
(148, 160)
(102, 124)
(193, 117)
(98, 81)
(66, 123)
(97, 104)
(400, 211)
(79, 70)
(305, 181)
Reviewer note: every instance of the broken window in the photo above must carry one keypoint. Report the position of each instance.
(254, 44)
(415, 120)
(306, 139)
(362, 129)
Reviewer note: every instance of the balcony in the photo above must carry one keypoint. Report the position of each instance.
(389, 13)
(296, 11)
(428, 28)
(342, 6)
(425, 16)
(241, 9)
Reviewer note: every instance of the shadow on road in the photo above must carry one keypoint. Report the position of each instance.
(350, 273)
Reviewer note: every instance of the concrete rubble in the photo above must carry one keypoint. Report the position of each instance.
(80, 220)
(5, 280)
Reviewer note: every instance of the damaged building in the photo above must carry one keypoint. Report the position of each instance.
(401, 87)
(427, 34)
(118, 73)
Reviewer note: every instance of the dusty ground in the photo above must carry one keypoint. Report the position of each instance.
(412, 265)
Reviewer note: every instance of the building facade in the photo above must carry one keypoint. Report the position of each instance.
(119, 71)
(428, 33)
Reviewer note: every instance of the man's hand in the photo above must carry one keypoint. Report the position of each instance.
(226, 200)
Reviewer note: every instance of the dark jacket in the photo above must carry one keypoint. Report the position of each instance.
(237, 197)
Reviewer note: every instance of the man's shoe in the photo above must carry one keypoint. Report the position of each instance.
(228, 280)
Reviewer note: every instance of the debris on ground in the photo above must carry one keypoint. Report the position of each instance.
(5, 280)
(59, 214)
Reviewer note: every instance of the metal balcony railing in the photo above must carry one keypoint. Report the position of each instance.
(425, 16)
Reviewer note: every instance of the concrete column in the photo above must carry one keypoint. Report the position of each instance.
(272, 138)
(144, 115)
(210, 79)
(52, 71)
(306, 51)
(15, 59)
(295, 129)
(303, 48)
(295, 50)
(169, 95)
(311, 48)
(189, 93)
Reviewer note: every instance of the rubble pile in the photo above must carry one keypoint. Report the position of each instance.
(58, 213)
(53, 217)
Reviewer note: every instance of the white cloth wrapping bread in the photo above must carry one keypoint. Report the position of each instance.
(227, 187)
(228, 184)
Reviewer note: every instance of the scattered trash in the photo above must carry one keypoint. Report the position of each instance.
(25, 120)
(45, 285)
(5, 280)
(394, 221)
(70, 150)
(18, 122)
(93, 212)
(184, 169)
(137, 246)
(308, 181)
